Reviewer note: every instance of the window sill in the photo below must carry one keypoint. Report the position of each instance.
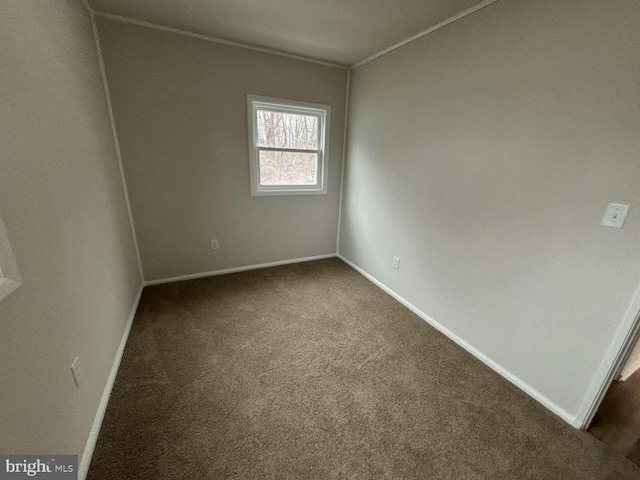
(7, 286)
(274, 193)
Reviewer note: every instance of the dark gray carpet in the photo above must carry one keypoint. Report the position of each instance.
(310, 371)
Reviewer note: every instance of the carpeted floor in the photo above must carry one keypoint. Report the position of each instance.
(617, 421)
(309, 371)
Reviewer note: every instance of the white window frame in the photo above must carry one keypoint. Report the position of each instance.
(323, 112)
(9, 275)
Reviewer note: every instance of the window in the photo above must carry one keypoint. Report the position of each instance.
(9, 276)
(287, 146)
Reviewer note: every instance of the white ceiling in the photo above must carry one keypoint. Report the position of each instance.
(339, 31)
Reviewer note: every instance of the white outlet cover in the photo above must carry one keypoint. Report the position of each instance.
(76, 371)
(214, 244)
(396, 263)
(615, 215)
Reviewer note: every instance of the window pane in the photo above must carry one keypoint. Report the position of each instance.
(288, 168)
(287, 130)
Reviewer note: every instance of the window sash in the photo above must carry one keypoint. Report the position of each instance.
(292, 111)
(289, 150)
(295, 186)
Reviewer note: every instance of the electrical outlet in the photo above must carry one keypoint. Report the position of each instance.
(76, 371)
(614, 215)
(396, 263)
(214, 244)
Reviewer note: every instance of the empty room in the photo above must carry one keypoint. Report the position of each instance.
(300, 239)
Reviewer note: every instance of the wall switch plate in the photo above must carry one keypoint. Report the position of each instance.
(396, 263)
(214, 244)
(76, 371)
(614, 215)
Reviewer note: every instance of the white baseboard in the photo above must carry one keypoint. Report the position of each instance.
(214, 273)
(562, 413)
(97, 424)
(90, 446)
(630, 369)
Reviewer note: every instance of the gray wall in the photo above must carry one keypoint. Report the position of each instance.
(180, 108)
(62, 202)
(484, 155)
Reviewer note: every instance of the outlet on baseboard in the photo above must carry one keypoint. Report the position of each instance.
(76, 371)
(214, 244)
(396, 263)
